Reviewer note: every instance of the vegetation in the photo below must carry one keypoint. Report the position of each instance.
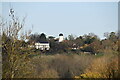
(76, 57)
(102, 67)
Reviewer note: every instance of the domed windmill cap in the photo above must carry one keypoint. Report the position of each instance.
(60, 34)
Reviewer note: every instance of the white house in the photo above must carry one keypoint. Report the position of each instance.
(42, 45)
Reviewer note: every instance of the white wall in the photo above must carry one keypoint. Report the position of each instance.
(61, 38)
(42, 46)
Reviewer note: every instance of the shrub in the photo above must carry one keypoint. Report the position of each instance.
(49, 73)
(90, 75)
(102, 67)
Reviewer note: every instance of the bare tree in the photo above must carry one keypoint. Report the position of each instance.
(12, 29)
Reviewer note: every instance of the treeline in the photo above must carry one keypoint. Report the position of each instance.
(90, 43)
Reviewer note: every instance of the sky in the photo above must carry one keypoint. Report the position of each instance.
(77, 18)
(60, 0)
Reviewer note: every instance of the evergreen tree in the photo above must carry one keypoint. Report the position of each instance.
(42, 38)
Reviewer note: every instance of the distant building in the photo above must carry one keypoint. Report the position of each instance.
(42, 45)
(61, 38)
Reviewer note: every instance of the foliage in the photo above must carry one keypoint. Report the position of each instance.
(42, 38)
(49, 73)
(71, 37)
(38, 38)
(89, 75)
(54, 66)
(11, 46)
(103, 67)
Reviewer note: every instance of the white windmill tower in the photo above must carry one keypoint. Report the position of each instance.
(61, 38)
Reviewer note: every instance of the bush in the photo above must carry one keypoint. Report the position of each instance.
(49, 73)
(64, 66)
(102, 67)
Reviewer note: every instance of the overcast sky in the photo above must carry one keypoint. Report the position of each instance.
(76, 18)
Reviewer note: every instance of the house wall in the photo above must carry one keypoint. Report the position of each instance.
(42, 46)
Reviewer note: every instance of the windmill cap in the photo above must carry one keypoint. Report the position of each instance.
(60, 34)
